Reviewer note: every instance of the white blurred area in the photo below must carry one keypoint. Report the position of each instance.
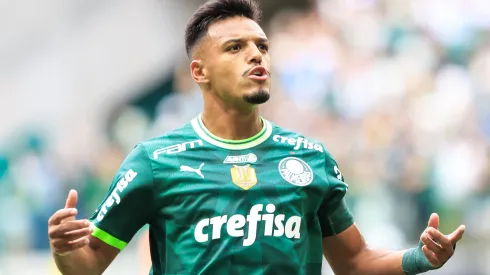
(398, 90)
(65, 64)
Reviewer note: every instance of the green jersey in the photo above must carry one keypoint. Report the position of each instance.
(214, 206)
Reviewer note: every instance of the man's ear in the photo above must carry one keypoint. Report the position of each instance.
(199, 74)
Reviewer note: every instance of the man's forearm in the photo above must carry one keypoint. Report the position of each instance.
(348, 253)
(379, 262)
(78, 262)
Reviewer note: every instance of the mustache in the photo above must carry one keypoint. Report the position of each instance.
(248, 71)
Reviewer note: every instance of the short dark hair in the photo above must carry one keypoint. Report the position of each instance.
(216, 10)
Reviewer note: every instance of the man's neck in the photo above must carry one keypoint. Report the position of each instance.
(231, 123)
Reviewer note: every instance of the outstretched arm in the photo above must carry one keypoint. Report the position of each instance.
(74, 250)
(348, 253)
(88, 246)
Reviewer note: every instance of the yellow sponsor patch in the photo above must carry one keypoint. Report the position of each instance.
(243, 176)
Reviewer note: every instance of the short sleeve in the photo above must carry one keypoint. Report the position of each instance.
(333, 214)
(129, 204)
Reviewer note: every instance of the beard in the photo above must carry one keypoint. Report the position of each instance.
(259, 97)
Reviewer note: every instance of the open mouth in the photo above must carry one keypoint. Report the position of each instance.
(258, 73)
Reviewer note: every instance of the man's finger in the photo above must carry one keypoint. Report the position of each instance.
(65, 228)
(71, 200)
(433, 260)
(440, 238)
(431, 245)
(69, 226)
(83, 231)
(433, 221)
(77, 234)
(62, 214)
(84, 239)
(457, 234)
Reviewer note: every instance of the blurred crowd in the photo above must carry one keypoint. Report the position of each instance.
(397, 90)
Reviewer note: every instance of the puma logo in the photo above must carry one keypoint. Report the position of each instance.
(185, 168)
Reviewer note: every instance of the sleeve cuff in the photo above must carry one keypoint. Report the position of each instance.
(337, 222)
(108, 238)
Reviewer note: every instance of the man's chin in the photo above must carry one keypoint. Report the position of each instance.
(259, 97)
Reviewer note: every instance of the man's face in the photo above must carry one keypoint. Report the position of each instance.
(236, 61)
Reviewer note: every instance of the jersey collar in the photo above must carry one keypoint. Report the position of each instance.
(243, 144)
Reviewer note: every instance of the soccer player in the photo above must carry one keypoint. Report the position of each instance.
(230, 192)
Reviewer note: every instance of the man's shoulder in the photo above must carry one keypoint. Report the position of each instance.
(171, 142)
(296, 140)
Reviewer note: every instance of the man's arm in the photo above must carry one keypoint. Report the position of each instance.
(88, 246)
(74, 250)
(348, 253)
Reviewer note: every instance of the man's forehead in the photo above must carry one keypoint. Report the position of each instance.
(236, 27)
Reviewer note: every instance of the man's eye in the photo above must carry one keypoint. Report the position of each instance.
(263, 47)
(235, 48)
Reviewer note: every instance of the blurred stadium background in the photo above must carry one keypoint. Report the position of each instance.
(398, 90)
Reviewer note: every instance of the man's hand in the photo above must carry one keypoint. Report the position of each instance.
(65, 233)
(438, 248)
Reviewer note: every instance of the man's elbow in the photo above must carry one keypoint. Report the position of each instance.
(363, 261)
(371, 261)
(353, 264)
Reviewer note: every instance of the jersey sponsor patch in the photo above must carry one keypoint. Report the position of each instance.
(248, 158)
(243, 176)
(247, 226)
(114, 196)
(298, 143)
(175, 149)
(295, 171)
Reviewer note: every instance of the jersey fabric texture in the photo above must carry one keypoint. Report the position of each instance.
(214, 206)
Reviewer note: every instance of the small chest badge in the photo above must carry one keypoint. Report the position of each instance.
(243, 176)
(295, 171)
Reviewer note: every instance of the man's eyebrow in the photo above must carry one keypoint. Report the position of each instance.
(263, 40)
(239, 40)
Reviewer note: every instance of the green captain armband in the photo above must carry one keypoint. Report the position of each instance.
(108, 238)
(415, 262)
